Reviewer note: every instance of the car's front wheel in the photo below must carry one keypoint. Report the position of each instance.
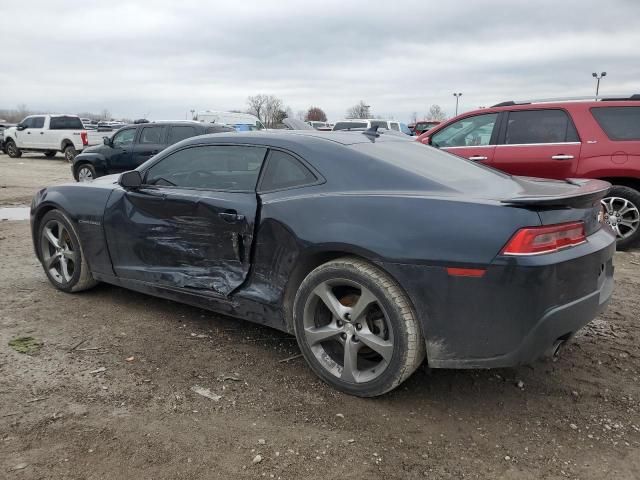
(85, 172)
(12, 149)
(356, 327)
(70, 153)
(622, 213)
(61, 254)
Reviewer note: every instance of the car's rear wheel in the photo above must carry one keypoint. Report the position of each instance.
(50, 153)
(85, 172)
(70, 153)
(61, 254)
(622, 213)
(12, 149)
(356, 327)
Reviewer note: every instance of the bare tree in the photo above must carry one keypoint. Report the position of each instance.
(257, 105)
(315, 114)
(359, 110)
(436, 113)
(273, 111)
(300, 115)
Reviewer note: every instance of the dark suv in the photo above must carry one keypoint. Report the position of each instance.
(133, 145)
(559, 139)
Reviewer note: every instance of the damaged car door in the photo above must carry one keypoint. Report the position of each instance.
(191, 223)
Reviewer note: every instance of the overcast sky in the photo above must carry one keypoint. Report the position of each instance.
(163, 58)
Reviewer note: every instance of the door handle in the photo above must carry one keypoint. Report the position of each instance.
(477, 158)
(562, 157)
(231, 216)
(41, 133)
(28, 133)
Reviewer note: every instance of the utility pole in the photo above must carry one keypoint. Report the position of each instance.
(598, 78)
(457, 95)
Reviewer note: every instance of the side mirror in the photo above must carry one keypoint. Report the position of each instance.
(106, 141)
(130, 179)
(20, 127)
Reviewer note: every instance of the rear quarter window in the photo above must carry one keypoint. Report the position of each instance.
(65, 123)
(619, 123)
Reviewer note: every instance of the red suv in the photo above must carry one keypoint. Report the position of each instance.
(558, 139)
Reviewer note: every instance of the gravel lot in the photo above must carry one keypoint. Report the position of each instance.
(108, 393)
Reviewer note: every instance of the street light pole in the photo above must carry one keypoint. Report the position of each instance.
(457, 95)
(192, 112)
(598, 78)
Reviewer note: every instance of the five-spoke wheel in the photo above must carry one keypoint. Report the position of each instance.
(622, 213)
(356, 328)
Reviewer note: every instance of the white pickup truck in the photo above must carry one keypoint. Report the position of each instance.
(48, 134)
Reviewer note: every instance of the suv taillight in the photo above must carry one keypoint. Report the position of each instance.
(539, 240)
(83, 136)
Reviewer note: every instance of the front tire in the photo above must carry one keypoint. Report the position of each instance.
(85, 172)
(70, 153)
(12, 149)
(61, 254)
(356, 328)
(622, 213)
(50, 153)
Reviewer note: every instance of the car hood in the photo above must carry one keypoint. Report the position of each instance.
(96, 149)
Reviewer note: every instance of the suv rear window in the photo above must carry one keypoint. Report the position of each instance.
(539, 126)
(619, 123)
(348, 125)
(65, 123)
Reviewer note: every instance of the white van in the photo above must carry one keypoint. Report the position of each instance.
(242, 122)
(371, 122)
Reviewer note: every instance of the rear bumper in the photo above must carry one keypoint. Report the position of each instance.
(517, 311)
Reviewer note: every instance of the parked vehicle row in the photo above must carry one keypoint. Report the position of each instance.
(359, 123)
(563, 139)
(3, 126)
(375, 251)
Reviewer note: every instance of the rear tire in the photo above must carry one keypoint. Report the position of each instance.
(622, 212)
(50, 153)
(70, 153)
(61, 254)
(356, 328)
(12, 149)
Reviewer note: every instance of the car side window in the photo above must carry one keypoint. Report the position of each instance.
(124, 137)
(37, 122)
(466, 132)
(285, 171)
(211, 167)
(151, 135)
(539, 126)
(395, 126)
(180, 132)
(27, 122)
(619, 123)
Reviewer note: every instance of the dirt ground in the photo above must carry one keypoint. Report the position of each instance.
(108, 393)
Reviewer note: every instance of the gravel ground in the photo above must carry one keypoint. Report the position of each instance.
(108, 393)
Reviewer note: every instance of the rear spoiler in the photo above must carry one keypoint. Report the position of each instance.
(588, 193)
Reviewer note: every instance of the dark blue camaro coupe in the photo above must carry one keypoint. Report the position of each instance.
(373, 250)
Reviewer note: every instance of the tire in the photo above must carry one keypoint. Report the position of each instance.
(70, 153)
(50, 153)
(61, 254)
(85, 172)
(622, 212)
(12, 150)
(394, 346)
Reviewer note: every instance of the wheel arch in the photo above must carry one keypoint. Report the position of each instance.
(630, 182)
(37, 219)
(65, 143)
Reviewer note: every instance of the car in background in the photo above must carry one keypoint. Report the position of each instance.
(47, 134)
(578, 137)
(241, 122)
(375, 251)
(365, 123)
(133, 145)
(3, 126)
(419, 128)
(321, 126)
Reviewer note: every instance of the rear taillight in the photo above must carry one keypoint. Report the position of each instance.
(539, 240)
(83, 136)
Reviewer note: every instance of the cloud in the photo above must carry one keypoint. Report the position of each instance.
(166, 57)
